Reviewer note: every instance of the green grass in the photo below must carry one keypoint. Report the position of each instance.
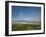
(20, 27)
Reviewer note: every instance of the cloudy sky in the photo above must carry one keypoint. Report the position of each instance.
(26, 13)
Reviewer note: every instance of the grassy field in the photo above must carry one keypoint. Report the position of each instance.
(20, 27)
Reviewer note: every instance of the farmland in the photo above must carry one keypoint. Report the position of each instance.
(27, 26)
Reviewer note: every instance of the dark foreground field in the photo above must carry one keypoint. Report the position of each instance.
(20, 27)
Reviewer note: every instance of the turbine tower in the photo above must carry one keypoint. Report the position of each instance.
(21, 15)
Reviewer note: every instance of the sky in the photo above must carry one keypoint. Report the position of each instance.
(26, 13)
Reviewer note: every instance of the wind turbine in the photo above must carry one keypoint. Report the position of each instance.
(21, 15)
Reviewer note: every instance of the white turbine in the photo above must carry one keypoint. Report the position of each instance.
(21, 15)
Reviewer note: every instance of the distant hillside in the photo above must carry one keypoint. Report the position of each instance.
(25, 21)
